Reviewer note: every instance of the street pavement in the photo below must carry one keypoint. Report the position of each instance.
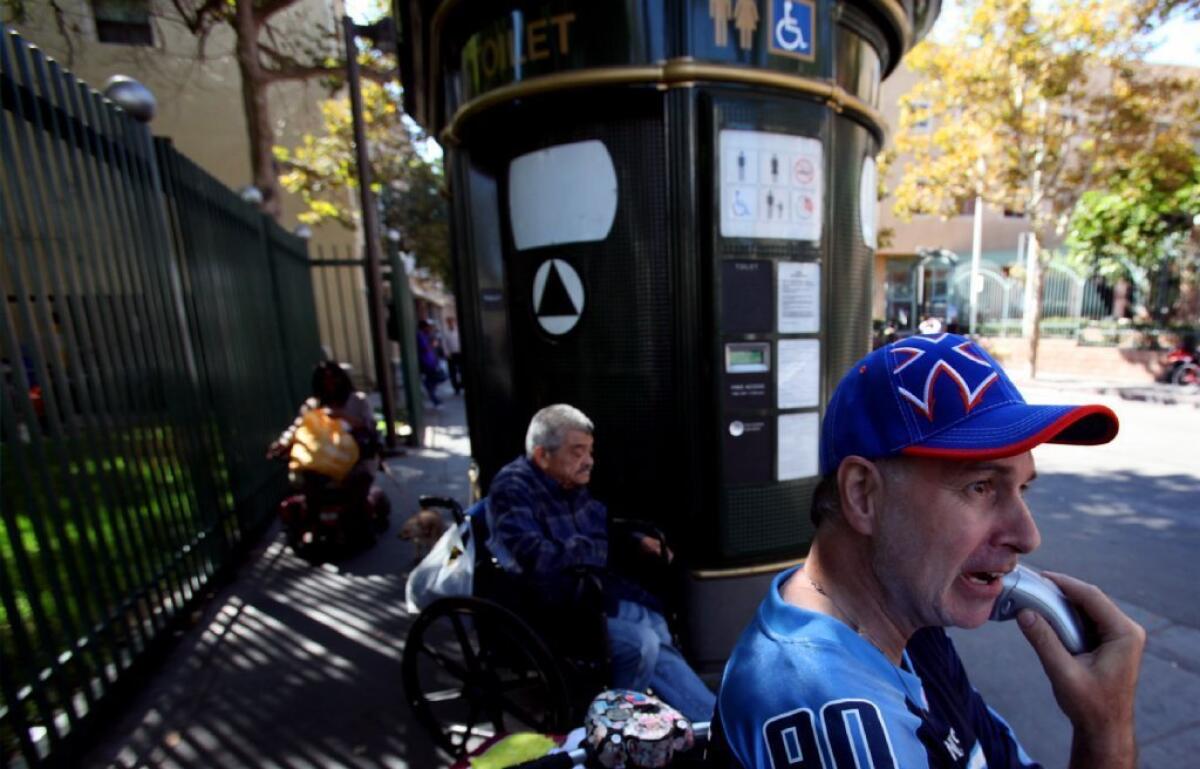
(295, 665)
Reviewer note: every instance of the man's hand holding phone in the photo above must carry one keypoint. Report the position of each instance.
(1095, 689)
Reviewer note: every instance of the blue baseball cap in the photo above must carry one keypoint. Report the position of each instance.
(942, 395)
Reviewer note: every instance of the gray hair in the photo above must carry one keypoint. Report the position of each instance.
(549, 427)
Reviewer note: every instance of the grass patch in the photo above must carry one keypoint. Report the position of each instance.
(102, 536)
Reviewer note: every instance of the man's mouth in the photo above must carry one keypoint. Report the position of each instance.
(983, 577)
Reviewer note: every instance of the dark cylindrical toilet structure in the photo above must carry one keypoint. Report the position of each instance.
(664, 214)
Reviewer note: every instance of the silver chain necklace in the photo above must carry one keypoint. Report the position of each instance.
(853, 623)
(857, 628)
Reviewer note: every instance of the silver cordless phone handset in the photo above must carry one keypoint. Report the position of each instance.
(1024, 588)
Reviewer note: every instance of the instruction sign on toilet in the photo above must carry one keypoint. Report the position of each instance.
(772, 185)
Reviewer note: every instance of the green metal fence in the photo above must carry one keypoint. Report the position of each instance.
(156, 333)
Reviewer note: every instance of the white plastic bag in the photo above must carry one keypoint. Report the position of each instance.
(448, 569)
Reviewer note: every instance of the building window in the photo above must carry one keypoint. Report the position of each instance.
(967, 207)
(1011, 213)
(925, 125)
(123, 22)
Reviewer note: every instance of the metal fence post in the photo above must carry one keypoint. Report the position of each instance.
(405, 321)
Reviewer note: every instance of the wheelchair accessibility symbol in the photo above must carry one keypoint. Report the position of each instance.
(792, 28)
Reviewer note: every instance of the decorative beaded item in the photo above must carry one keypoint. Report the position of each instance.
(635, 730)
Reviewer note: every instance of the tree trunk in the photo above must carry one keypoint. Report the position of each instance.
(256, 108)
(1039, 287)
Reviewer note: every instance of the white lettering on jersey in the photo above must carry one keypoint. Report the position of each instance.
(953, 746)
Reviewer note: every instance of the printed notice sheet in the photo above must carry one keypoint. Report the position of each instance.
(799, 371)
(798, 297)
(797, 436)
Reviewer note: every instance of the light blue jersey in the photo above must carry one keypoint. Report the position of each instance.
(804, 691)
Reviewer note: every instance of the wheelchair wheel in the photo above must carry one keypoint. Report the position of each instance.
(472, 669)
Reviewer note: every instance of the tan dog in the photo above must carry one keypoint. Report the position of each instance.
(423, 529)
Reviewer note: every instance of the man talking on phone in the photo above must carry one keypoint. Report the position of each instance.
(920, 512)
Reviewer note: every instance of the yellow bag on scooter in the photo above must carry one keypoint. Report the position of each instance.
(323, 445)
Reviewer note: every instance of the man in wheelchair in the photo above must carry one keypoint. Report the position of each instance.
(545, 527)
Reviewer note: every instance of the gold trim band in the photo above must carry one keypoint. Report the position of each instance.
(747, 571)
(675, 73)
(900, 19)
(892, 8)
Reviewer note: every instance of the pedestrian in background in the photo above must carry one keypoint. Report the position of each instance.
(452, 349)
(427, 359)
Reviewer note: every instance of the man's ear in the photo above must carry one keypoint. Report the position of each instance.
(541, 457)
(860, 485)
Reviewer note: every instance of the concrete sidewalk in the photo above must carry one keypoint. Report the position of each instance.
(1148, 392)
(296, 665)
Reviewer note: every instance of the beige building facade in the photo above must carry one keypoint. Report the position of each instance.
(1002, 234)
(197, 86)
(199, 108)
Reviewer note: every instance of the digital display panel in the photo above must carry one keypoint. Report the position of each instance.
(742, 357)
(747, 357)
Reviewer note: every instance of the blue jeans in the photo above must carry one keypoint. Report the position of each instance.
(430, 379)
(643, 657)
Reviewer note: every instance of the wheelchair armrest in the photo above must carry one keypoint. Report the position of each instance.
(589, 584)
(446, 503)
(635, 529)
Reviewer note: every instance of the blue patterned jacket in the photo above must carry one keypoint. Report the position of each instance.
(540, 530)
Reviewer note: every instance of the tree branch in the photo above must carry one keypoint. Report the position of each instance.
(200, 20)
(60, 21)
(285, 67)
(268, 8)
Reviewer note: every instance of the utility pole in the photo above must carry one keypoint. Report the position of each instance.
(370, 221)
(975, 285)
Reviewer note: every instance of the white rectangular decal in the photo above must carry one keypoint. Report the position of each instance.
(772, 185)
(799, 367)
(562, 194)
(798, 297)
(797, 436)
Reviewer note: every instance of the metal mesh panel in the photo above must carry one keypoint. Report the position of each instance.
(773, 518)
(763, 520)
(848, 271)
(618, 363)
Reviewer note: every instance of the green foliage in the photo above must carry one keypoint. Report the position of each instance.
(1143, 222)
(322, 170)
(1141, 217)
(1028, 105)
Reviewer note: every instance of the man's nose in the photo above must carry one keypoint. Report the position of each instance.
(1021, 531)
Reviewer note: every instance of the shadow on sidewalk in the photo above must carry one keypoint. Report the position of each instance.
(294, 664)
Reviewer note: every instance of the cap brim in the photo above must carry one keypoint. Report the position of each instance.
(1014, 428)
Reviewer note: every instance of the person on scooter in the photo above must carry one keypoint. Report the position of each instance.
(543, 523)
(332, 390)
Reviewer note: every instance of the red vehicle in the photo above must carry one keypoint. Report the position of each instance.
(1183, 364)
